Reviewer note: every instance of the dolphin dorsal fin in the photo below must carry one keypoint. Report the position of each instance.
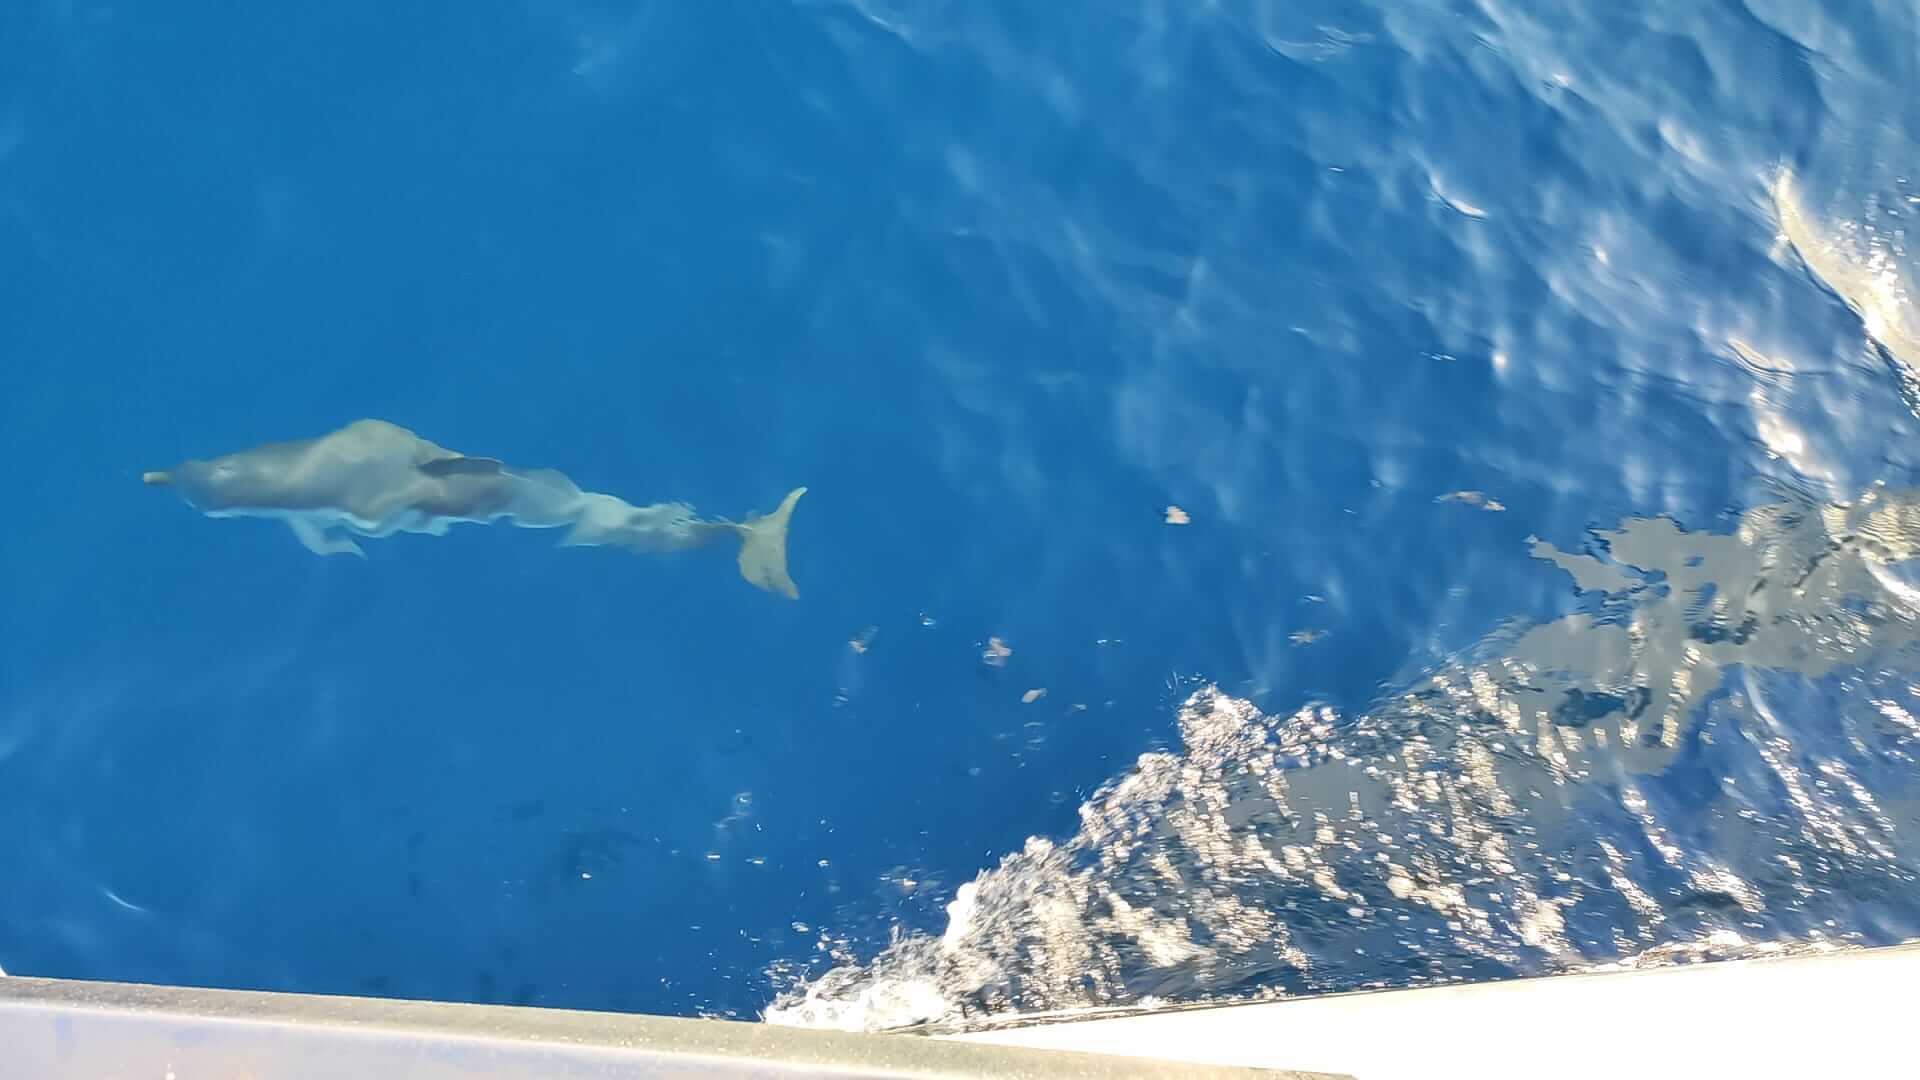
(463, 466)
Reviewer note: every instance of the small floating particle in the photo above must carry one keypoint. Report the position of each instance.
(996, 653)
(1177, 516)
(1033, 695)
(1472, 498)
(1756, 360)
(1306, 637)
(863, 639)
(1463, 207)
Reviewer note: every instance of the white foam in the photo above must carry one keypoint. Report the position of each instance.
(884, 1004)
(960, 915)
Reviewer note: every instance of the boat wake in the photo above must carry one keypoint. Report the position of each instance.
(1715, 758)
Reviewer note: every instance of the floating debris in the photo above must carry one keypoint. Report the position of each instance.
(1177, 516)
(1033, 695)
(996, 653)
(1306, 637)
(1472, 498)
(863, 639)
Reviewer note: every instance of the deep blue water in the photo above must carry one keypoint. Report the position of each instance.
(1000, 283)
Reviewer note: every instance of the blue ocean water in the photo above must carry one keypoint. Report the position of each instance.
(1466, 447)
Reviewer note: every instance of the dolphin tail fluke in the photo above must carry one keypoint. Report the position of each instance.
(763, 549)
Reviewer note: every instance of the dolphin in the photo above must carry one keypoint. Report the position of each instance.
(372, 478)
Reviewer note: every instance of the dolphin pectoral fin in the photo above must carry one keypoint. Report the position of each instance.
(763, 549)
(315, 539)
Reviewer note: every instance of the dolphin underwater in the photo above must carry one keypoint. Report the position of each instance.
(374, 479)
